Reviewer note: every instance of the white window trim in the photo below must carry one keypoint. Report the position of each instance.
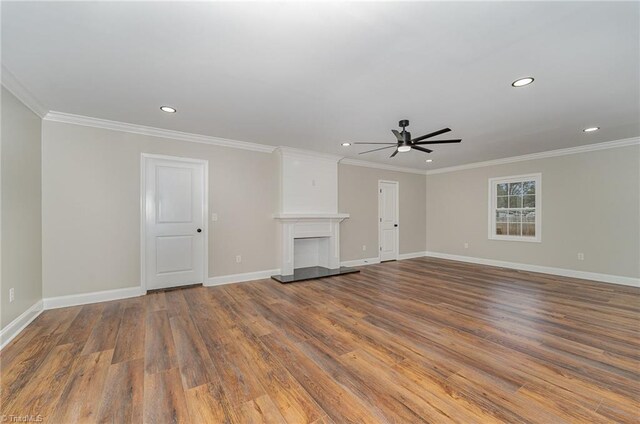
(493, 182)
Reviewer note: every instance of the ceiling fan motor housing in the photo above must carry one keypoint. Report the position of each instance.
(404, 123)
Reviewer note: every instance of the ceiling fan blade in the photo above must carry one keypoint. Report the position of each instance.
(398, 135)
(394, 153)
(439, 141)
(421, 149)
(433, 134)
(363, 142)
(374, 150)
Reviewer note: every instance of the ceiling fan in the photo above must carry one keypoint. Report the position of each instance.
(405, 143)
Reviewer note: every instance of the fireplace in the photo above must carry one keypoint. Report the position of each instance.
(308, 217)
(311, 251)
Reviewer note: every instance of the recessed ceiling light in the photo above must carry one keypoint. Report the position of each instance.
(403, 149)
(591, 129)
(168, 109)
(346, 144)
(522, 82)
(429, 160)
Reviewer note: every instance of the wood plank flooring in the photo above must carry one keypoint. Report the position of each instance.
(421, 340)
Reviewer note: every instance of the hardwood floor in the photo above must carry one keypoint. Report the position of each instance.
(422, 340)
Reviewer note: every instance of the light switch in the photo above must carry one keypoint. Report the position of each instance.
(214, 217)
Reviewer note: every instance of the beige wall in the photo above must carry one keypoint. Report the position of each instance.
(21, 211)
(91, 207)
(590, 204)
(91, 195)
(358, 196)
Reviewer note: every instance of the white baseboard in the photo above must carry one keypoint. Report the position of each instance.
(361, 262)
(240, 278)
(259, 275)
(376, 260)
(605, 278)
(93, 297)
(16, 326)
(403, 256)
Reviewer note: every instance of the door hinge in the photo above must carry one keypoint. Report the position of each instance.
(380, 219)
(381, 248)
(380, 190)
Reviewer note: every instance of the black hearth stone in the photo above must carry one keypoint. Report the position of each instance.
(312, 273)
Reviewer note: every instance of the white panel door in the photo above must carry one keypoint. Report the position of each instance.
(174, 222)
(388, 220)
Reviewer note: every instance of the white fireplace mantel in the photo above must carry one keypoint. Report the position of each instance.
(305, 226)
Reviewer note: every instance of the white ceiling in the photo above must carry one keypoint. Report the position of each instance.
(315, 75)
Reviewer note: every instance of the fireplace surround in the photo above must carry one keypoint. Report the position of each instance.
(309, 219)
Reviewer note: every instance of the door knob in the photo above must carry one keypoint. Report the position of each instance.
(199, 230)
(395, 225)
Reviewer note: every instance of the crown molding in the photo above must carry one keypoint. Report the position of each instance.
(367, 164)
(294, 151)
(15, 87)
(87, 121)
(634, 141)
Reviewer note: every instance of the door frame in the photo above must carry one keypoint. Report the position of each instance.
(397, 217)
(144, 157)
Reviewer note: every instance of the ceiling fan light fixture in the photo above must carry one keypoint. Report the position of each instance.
(168, 109)
(405, 143)
(429, 160)
(521, 82)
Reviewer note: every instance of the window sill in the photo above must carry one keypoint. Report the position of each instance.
(525, 239)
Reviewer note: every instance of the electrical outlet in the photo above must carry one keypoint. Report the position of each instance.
(238, 259)
(214, 217)
(581, 256)
(466, 245)
(364, 247)
(12, 295)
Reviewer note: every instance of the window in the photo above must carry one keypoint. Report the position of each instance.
(515, 207)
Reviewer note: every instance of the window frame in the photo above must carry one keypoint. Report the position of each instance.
(493, 199)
